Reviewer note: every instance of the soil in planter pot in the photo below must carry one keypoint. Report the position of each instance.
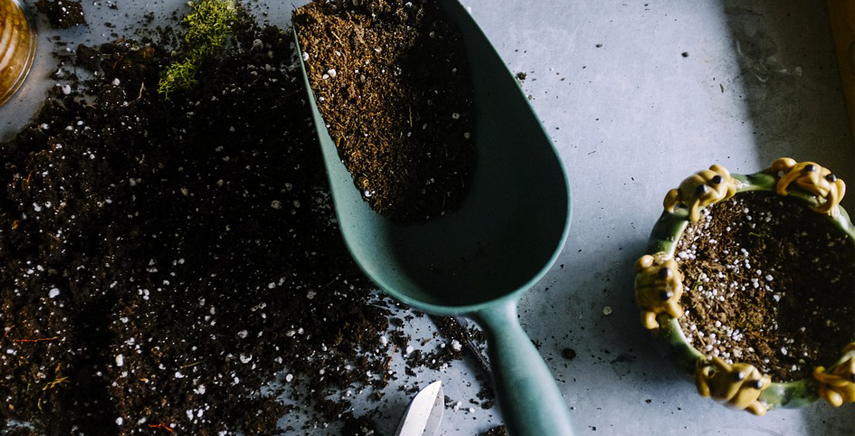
(768, 282)
(393, 86)
(161, 260)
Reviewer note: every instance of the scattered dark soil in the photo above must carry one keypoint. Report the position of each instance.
(62, 14)
(463, 339)
(393, 85)
(497, 431)
(568, 353)
(161, 260)
(768, 282)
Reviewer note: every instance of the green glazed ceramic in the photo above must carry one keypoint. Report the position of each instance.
(669, 229)
(479, 260)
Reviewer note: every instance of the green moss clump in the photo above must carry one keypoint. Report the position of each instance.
(208, 26)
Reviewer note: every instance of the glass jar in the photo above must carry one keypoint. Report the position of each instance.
(17, 48)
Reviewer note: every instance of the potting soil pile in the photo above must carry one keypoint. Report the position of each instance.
(162, 258)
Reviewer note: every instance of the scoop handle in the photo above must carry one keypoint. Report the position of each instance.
(529, 399)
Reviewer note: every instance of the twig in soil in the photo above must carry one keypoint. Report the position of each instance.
(53, 384)
(389, 363)
(701, 340)
(337, 38)
(163, 426)
(120, 59)
(36, 340)
(191, 364)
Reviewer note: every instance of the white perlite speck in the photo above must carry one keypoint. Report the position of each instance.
(332, 72)
(607, 310)
(289, 377)
(245, 358)
(120, 360)
(455, 345)
(243, 334)
(53, 293)
(120, 421)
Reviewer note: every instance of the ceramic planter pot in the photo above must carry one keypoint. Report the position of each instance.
(658, 287)
(17, 47)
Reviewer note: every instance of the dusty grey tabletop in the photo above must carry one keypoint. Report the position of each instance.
(636, 96)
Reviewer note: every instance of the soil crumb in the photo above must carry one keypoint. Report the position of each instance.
(568, 353)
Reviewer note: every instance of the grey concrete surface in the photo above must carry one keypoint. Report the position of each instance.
(637, 95)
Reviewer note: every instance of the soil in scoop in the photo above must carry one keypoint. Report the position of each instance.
(162, 260)
(768, 282)
(393, 86)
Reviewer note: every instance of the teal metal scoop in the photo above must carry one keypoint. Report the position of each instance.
(479, 260)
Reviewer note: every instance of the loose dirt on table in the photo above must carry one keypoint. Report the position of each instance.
(162, 259)
(496, 431)
(768, 282)
(393, 86)
(62, 14)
